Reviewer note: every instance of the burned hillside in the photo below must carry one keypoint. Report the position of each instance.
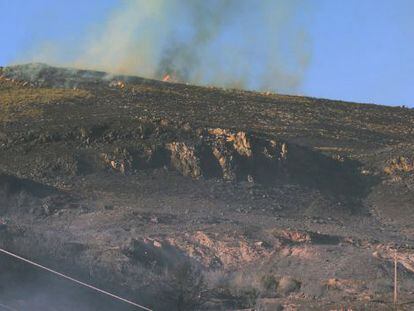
(251, 199)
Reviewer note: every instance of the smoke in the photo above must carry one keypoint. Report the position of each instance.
(232, 43)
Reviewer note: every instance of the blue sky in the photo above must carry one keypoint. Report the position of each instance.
(360, 50)
(363, 51)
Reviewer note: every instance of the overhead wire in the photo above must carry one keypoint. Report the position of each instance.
(74, 280)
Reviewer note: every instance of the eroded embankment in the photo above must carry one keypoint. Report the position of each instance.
(225, 154)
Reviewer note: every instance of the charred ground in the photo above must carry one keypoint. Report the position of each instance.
(250, 199)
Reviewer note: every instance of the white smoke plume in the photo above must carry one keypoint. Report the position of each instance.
(250, 44)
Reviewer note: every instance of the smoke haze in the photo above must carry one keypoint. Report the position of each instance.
(250, 44)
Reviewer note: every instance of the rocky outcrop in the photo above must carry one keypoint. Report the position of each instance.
(119, 160)
(219, 153)
(225, 251)
(231, 155)
(196, 152)
(184, 158)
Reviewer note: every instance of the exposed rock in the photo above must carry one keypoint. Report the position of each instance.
(241, 143)
(184, 159)
(404, 256)
(214, 251)
(226, 161)
(221, 153)
(118, 161)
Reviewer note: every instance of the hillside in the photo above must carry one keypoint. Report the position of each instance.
(233, 199)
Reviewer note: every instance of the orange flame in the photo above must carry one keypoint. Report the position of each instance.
(166, 78)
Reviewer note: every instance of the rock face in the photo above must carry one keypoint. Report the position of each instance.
(238, 153)
(184, 159)
(226, 154)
